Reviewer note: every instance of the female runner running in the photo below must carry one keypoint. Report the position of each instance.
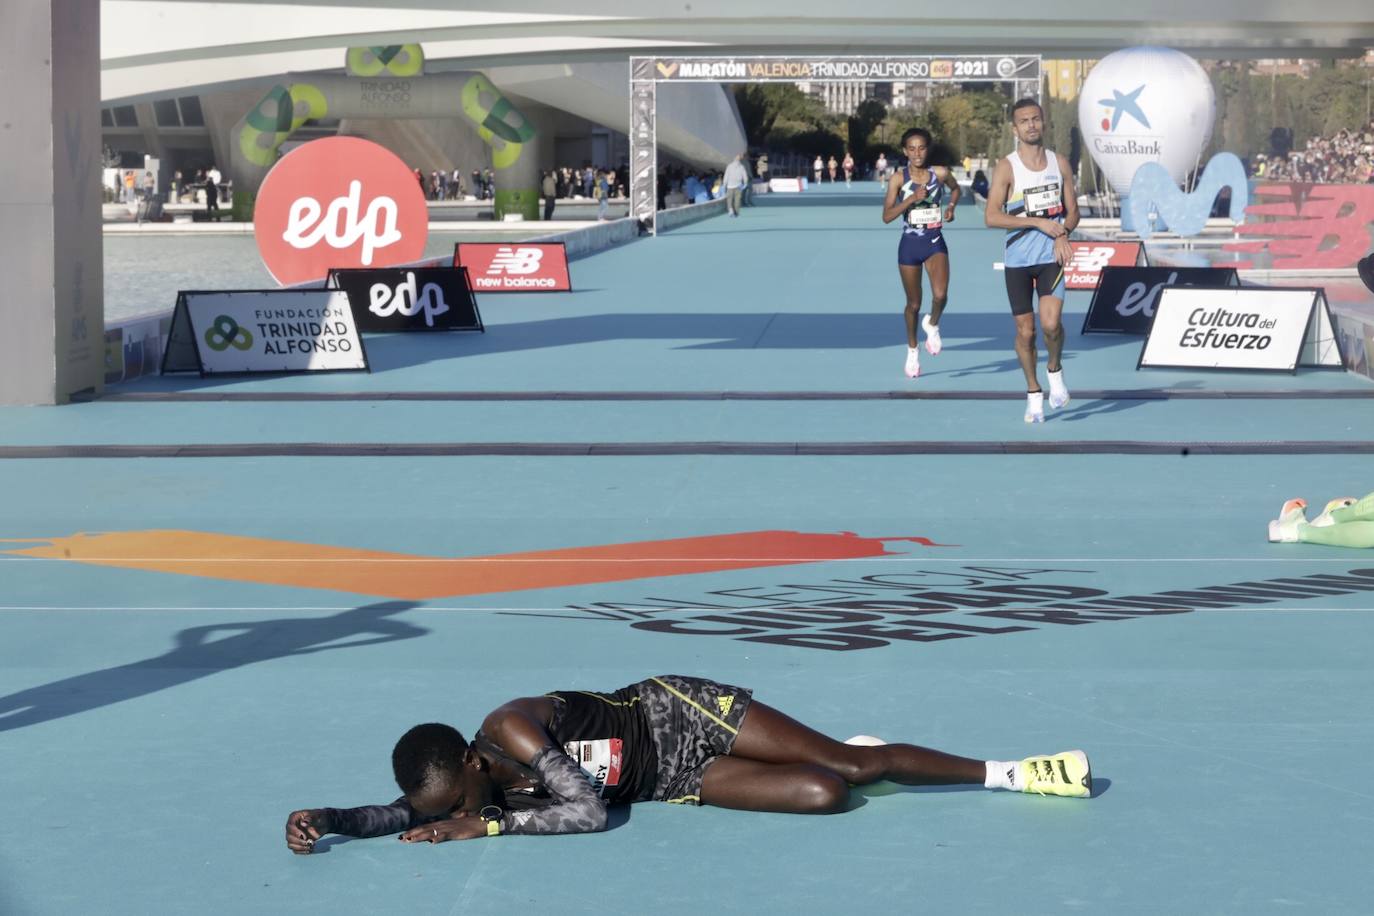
(915, 193)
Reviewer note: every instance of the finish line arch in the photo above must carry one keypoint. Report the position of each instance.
(1021, 70)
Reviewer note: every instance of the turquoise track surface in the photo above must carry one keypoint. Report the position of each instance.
(162, 708)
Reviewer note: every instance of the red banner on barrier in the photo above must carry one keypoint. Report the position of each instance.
(519, 267)
(1307, 225)
(1089, 258)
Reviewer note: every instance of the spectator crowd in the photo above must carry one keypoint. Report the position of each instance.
(1345, 158)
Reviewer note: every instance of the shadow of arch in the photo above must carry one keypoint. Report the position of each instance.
(198, 654)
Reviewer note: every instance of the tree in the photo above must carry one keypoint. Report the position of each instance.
(762, 106)
(812, 142)
(971, 123)
(862, 123)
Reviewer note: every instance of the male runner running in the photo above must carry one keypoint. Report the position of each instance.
(552, 764)
(1032, 196)
(914, 194)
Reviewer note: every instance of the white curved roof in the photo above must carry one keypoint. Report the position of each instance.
(157, 46)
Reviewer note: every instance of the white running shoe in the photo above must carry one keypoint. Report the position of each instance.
(932, 336)
(1284, 529)
(1324, 520)
(913, 362)
(1059, 395)
(1035, 407)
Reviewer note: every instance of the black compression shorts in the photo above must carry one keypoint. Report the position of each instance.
(1024, 283)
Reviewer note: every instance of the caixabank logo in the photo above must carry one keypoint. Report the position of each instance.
(1125, 128)
(339, 202)
(1146, 104)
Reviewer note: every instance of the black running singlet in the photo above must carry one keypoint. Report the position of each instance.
(607, 734)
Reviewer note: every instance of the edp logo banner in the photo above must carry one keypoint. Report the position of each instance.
(339, 202)
(410, 299)
(1124, 301)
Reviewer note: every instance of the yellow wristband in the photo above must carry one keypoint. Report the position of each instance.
(494, 827)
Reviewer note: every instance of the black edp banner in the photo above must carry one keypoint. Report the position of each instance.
(1125, 298)
(410, 299)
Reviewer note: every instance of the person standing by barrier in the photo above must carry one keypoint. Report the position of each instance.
(149, 194)
(212, 192)
(914, 194)
(736, 177)
(549, 188)
(602, 192)
(979, 187)
(761, 168)
(1032, 197)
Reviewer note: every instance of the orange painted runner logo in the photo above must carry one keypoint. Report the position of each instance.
(407, 576)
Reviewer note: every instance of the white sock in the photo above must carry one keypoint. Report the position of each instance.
(1057, 380)
(1001, 775)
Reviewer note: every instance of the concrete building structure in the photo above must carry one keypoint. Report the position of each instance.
(70, 55)
(1064, 78)
(839, 98)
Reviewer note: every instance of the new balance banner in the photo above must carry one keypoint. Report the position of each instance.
(280, 330)
(1250, 328)
(410, 299)
(1089, 258)
(1124, 301)
(785, 184)
(518, 267)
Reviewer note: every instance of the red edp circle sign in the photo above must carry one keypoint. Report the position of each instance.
(339, 202)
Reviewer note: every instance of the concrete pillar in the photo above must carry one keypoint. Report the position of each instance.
(52, 323)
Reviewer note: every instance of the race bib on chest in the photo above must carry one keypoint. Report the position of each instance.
(1043, 201)
(601, 759)
(924, 217)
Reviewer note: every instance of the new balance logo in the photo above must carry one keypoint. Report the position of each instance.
(1090, 259)
(725, 704)
(515, 261)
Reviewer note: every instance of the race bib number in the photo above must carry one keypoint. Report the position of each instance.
(601, 759)
(924, 217)
(1043, 201)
